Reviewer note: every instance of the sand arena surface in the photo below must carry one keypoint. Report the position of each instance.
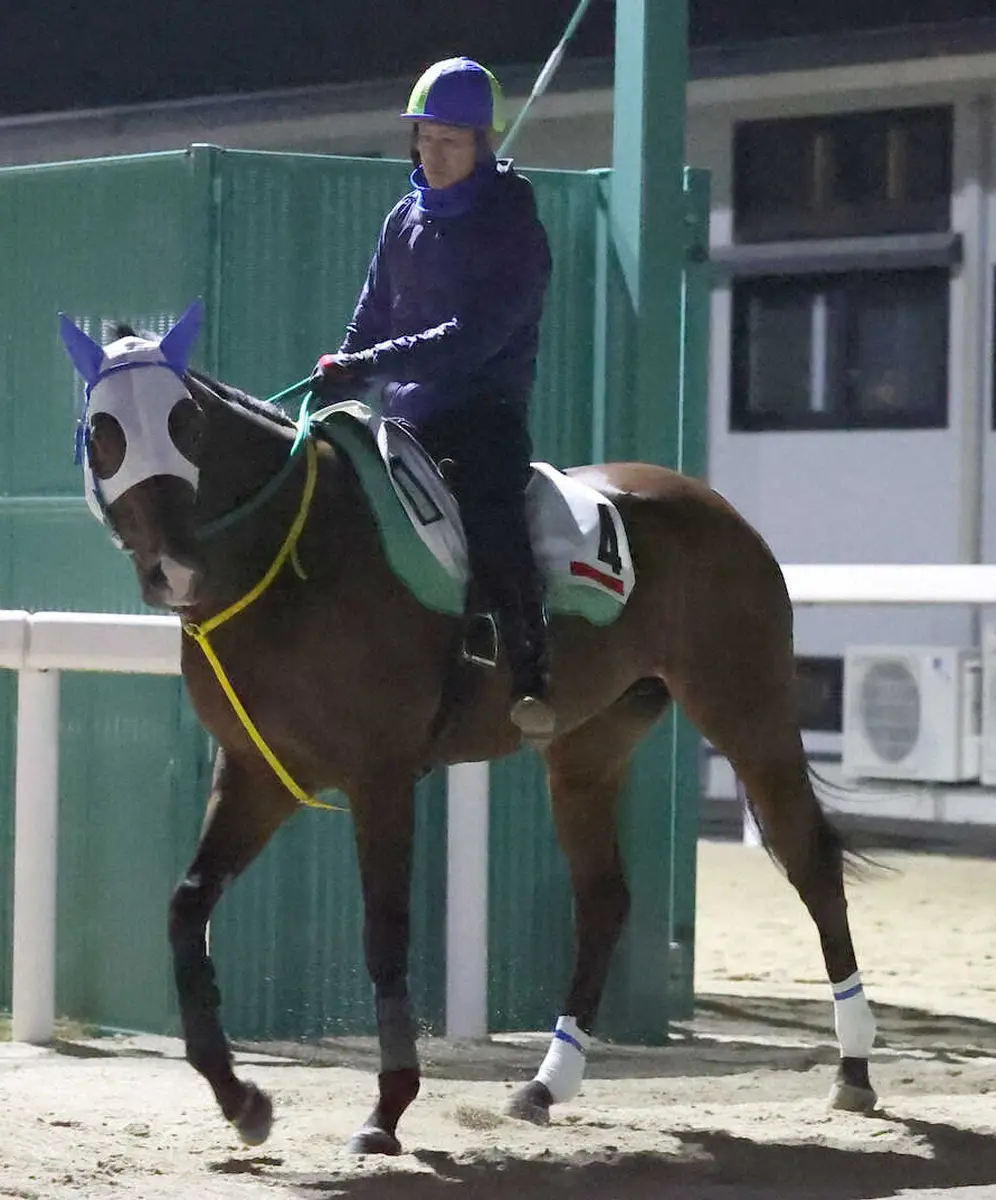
(733, 1109)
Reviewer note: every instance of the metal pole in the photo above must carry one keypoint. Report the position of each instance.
(647, 243)
(36, 813)
(648, 219)
(468, 816)
(544, 77)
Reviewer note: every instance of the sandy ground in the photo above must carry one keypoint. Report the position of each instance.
(734, 1108)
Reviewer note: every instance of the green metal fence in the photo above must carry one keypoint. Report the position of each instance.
(278, 246)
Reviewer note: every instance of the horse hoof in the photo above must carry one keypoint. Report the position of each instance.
(845, 1097)
(255, 1120)
(530, 1103)
(370, 1140)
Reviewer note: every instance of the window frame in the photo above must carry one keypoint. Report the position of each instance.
(742, 419)
(826, 215)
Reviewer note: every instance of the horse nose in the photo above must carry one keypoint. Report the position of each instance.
(180, 579)
(168, 582)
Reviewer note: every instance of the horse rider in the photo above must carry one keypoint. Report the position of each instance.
(446, 328)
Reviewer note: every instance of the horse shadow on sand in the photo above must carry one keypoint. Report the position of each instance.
(729, 1035)
(709, 1165)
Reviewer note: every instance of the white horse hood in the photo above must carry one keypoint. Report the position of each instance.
(137, 382)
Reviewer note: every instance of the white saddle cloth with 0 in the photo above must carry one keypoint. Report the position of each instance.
(577, 535)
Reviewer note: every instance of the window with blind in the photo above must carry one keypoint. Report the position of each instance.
(846, 175)
(839, 351)
(856, 345)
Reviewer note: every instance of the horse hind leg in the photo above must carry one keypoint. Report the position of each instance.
(243, 813)
(734, 676)
(587, 769)
(799, 835)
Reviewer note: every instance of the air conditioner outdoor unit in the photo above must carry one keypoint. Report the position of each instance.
(912, 712)
(987, 753)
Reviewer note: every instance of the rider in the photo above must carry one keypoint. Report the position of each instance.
(447, 326)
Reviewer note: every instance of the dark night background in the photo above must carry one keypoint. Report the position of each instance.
(70, 54)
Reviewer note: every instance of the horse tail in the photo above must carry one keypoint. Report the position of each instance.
(855, 861)
(832, 847)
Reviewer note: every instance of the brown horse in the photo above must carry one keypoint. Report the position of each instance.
(342, 702)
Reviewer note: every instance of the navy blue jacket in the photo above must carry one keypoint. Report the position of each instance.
(450, 311)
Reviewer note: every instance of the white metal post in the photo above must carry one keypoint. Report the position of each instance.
(36, 814)
(468, 814)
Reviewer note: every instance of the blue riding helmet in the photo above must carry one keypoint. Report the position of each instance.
(458, 91)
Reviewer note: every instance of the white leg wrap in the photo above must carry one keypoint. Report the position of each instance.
(563, 1068)
(852, 1018)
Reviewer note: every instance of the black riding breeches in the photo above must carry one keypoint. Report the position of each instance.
(484, 451)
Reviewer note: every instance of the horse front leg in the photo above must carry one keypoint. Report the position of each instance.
(384, 816)
(242, 815)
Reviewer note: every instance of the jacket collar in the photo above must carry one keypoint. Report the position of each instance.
(457, 199)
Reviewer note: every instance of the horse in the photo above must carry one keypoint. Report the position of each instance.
(257, 532)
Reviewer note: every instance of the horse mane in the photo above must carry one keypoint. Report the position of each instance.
(262, 408)
(233, 395)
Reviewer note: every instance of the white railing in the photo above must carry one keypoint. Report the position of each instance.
(931, 583)
(41, 645)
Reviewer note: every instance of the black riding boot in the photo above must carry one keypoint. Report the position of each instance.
(525, 634)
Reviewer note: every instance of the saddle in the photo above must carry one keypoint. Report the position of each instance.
(578, 537)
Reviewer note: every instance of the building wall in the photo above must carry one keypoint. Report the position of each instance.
(869, 496)
(571, 130)
(987, 355)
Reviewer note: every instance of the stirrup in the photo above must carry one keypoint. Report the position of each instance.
(480, 640)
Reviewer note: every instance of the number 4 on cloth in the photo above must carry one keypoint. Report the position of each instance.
(608, 542)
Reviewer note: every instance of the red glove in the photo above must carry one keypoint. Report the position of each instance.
(331, 379)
